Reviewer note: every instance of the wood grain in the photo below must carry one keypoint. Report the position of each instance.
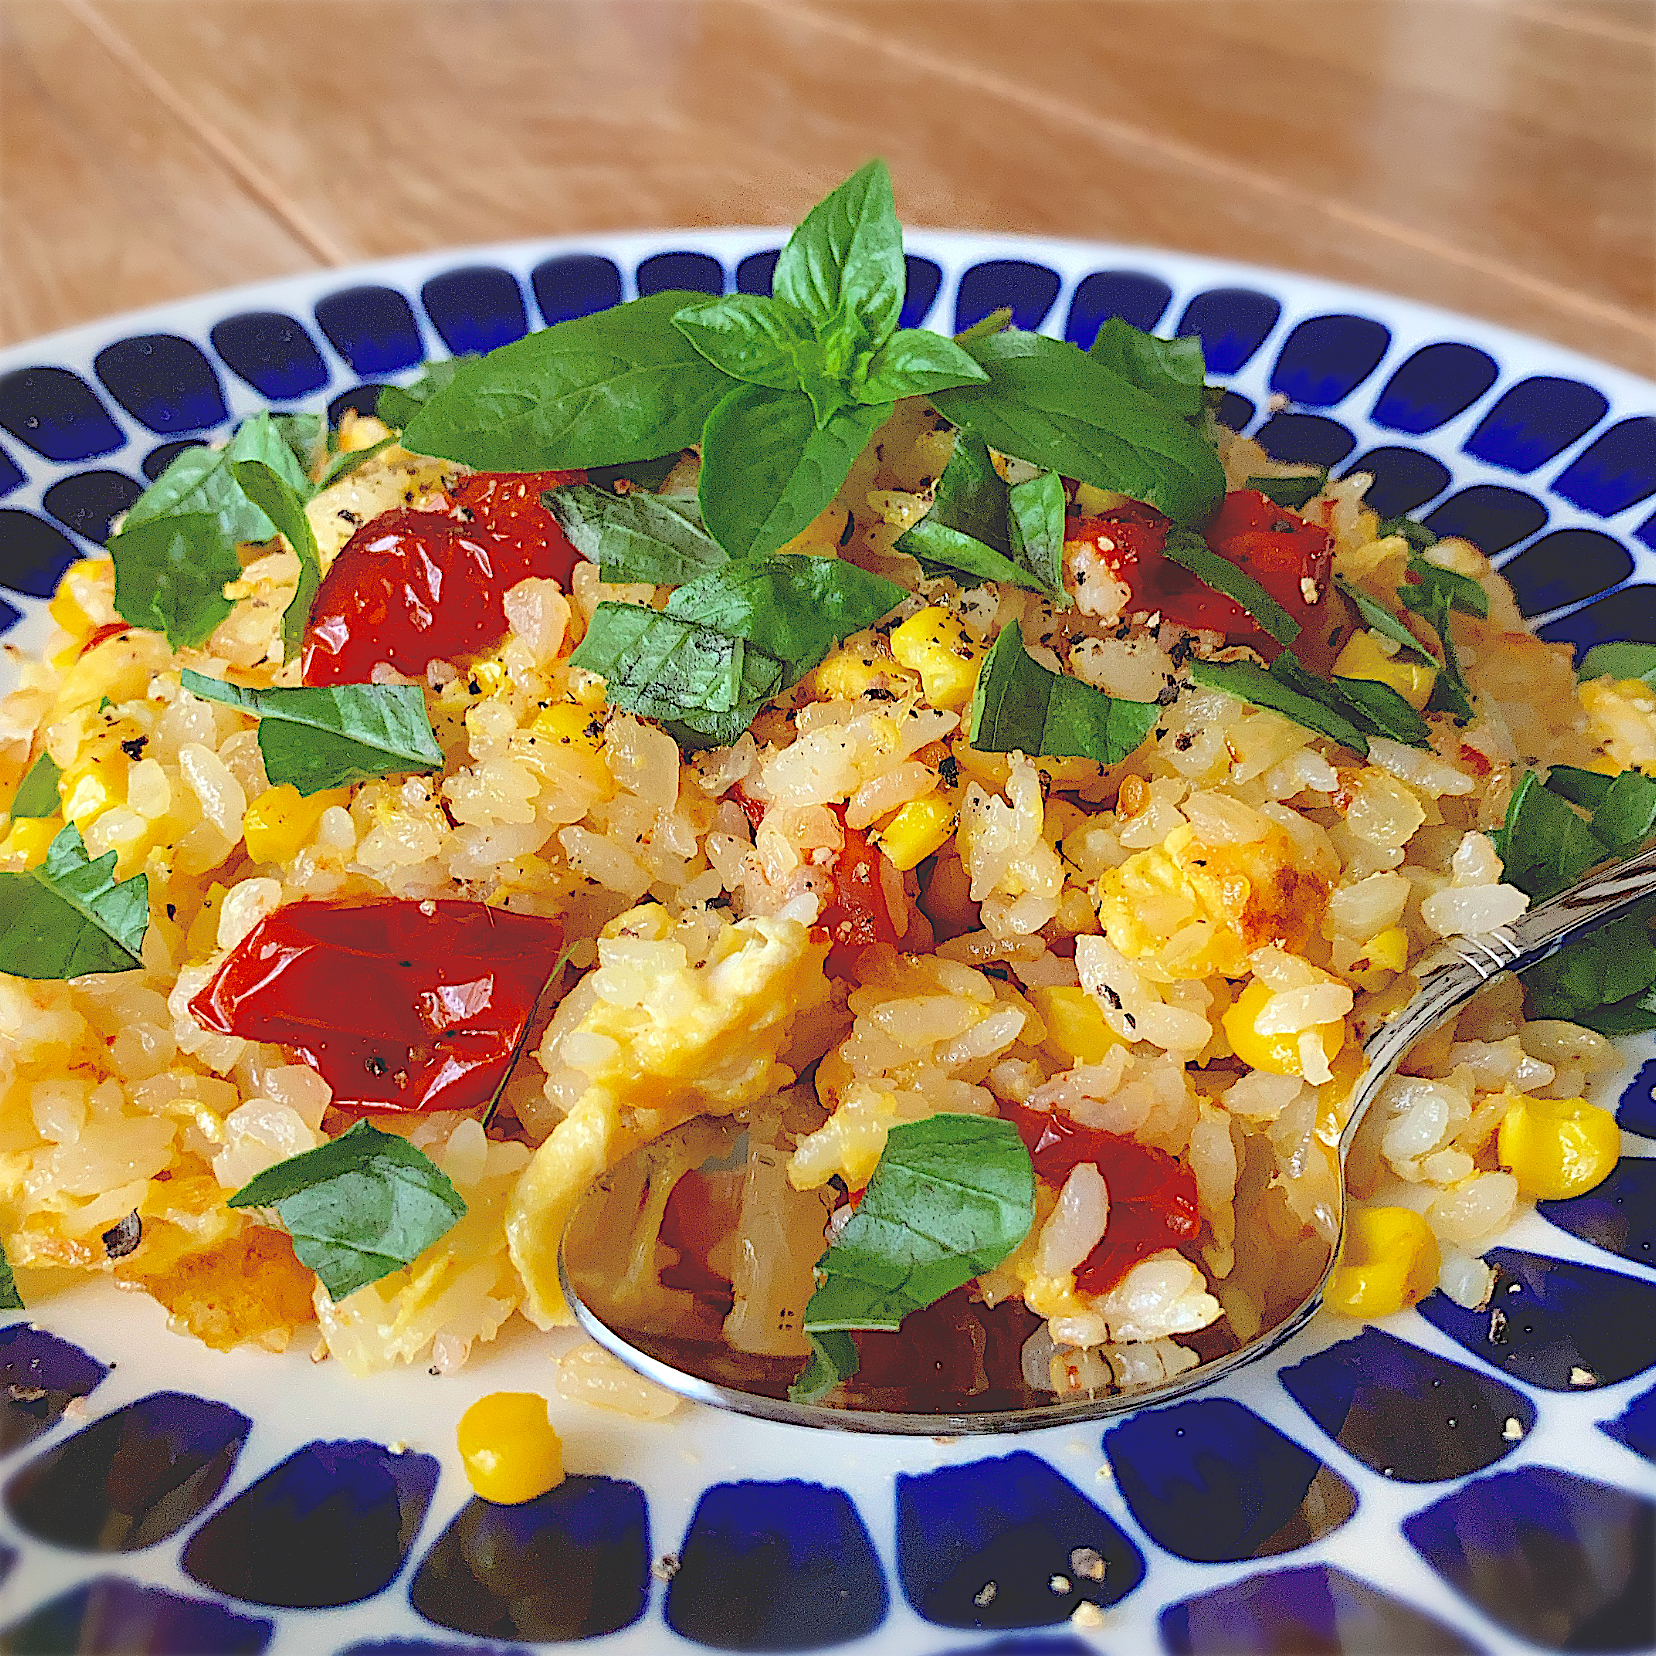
(1494, 156)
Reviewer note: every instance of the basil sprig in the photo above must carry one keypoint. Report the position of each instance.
(176, 549)
(358, 1207)
(1019, 704)
(730, 640)
(980, 529)
(37, 793)
(1621, 659)
(69, 916)
(1187, 549)
(952, 1196)
(1289, 491)
(636, 536)
(326, 736)
(1054, 406)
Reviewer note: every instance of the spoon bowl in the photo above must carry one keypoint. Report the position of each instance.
(679, 1340)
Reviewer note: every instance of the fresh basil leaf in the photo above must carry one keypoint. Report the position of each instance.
(358, 1207)
(1289, 491)
(794, 608)
(1621, 659)
(1380, 710)
(305, 435)
(636, 536)
(968, 529)
(1018, 704)
(1054, 406)
(622, 384)
(398, 404)
(170, 575)
(1411, 529)
(1634, 1016)
(1612, 970)
(1377, 618)
(914, 363)
(1581, 787)
(1036, 519)
(1187, 549)
(325, 736)
(37, 793)
(833, 1359)
(668, 668)
(1172, 371)
(276, 498)
(747, 336)
(952, 1196)
(1427, 585)
(1545, 845)
(1626, 817)
(69, 916)
(347, 460)
(844, 264)
(1249, 682)
(11, 1300)
(641, 474)
(767, 470)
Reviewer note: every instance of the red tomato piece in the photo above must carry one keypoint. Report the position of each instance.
(856, 915)
(396, 1008)
(410, 588)
(1287, 556)
(1152, 1196)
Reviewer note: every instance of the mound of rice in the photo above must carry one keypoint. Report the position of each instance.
(1233, 849)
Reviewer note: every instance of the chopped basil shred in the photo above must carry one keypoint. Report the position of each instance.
(1036, 518)
(1287, 689)
(37, 793)
(398, 404)
(1019, 704)
(952, 1196)
(1622, 659)
(358, 1207)
(1377, 618)
(69, 916)
(326, 736)
(1411, 529)
(10, 1299)
(1187, 549)
(1289, 491)
(285, 507)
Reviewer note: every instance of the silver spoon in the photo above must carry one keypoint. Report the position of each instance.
(614, 1299)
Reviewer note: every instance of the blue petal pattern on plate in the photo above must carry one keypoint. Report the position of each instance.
(131, 1479)
(1212, 1482)
(570, 1565)
(1406, 1413)
(112, 1617)
(1618, 1216)
(1636, 1109)
(1560, 1560)
(1313, 1608)
(1445, 416)
(1007, 1543)
(39, 1377)
(776, 1566)
(1555, 1324)
(331, 1525)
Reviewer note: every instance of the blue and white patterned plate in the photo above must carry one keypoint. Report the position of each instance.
(1446, 1481)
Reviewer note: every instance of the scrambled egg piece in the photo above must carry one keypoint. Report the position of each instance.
(391, 479)
(679, 1019)
(1201, 910)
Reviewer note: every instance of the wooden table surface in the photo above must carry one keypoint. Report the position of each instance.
(1494, 156)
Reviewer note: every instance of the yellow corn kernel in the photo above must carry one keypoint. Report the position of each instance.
(577, 733)
(510, 1452)
(202, 937)
(942, 652)
(1557, 1147)
(1278, 1054)
(853, 670)
(1386, 952)
(1076, 1032)
(1411, 678)
(89, 788)
(68, 606)
(1388, 1261)
(489, 675)
(281, 819)
(921, 827)
(27, 839)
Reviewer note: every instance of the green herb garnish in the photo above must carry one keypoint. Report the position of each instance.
(37, 793)
(326, 736)
(952, 1196)
(70, 916)
(1377, 618)
(358, 1207)
(1622, 659)
(1019, 704)
(1187, 549)
(1171, 371)
(1294, 694)
(636, 536)
(10, 1299)
(398, 404)
(285, 507)
(1606, 981)
(1289, 491)
(1411, 529)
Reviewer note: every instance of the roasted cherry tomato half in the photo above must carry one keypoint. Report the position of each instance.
(397, 1005)
(1291, 558)
(1152, 1196)
(410, 588)
(856, 915)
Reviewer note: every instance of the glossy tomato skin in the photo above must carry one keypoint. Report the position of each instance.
(1152, 1196)
(395, 1007)
(410, 588)
(1288, 556)
(857, 914)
